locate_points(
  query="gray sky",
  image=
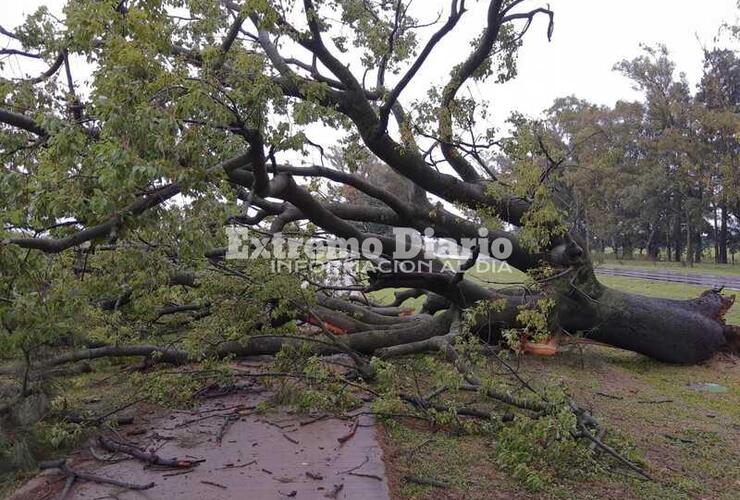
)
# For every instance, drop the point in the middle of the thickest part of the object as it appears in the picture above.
(590, 36)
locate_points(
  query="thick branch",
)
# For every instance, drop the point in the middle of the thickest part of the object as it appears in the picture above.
(50, 245)
(21, 121)
(459, 77)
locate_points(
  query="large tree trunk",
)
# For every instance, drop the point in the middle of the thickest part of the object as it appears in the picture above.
(674, 331)
(653, 246)
(697, 247)
(722, 240)
(677, 242)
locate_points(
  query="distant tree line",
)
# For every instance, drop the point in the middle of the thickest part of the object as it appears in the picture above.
(658, 178)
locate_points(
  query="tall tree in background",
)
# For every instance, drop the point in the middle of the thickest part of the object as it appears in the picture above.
(651, 176)
(719, 96)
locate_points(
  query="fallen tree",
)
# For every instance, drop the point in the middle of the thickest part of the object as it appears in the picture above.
(186, 115)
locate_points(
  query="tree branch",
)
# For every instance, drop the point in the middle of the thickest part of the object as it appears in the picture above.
(21, 121)
(455, 15)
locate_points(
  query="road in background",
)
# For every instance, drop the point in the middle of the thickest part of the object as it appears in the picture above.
(704, 280)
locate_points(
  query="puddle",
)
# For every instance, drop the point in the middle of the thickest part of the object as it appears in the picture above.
(708, 387)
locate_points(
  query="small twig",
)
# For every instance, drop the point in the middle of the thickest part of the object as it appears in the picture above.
(178, 473)
(73, 475)
(196, 420)
(611, 451)
(228, 421)
(294, 441)
(334, 491)
(410, 453)
(436, 393)
(145, 456)
(610, 396)
(582, 418)
(240, 406)
(679, 439)
(367, 459)
(120, 408)
(301, 376)
(313, 420)
(348, 436)
(392, 415)
(109, 460)
(274, 424)
(232, 466)
(360, 474)
(211, 483)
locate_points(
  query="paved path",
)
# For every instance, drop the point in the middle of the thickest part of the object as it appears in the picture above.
(688, 278)
(272, 456)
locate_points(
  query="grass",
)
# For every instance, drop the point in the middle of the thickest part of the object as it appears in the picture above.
(686, 439)
(679, 267)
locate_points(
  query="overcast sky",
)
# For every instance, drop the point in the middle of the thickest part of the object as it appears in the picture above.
(590, 37)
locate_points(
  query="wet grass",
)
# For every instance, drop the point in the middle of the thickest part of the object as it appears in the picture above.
(688, 440)
(679, 267)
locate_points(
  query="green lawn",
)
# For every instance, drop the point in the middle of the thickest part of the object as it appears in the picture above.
(700, 268)
(685, 438)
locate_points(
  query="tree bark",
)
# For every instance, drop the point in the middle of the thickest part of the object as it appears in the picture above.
(673, 331)
(722, 243)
